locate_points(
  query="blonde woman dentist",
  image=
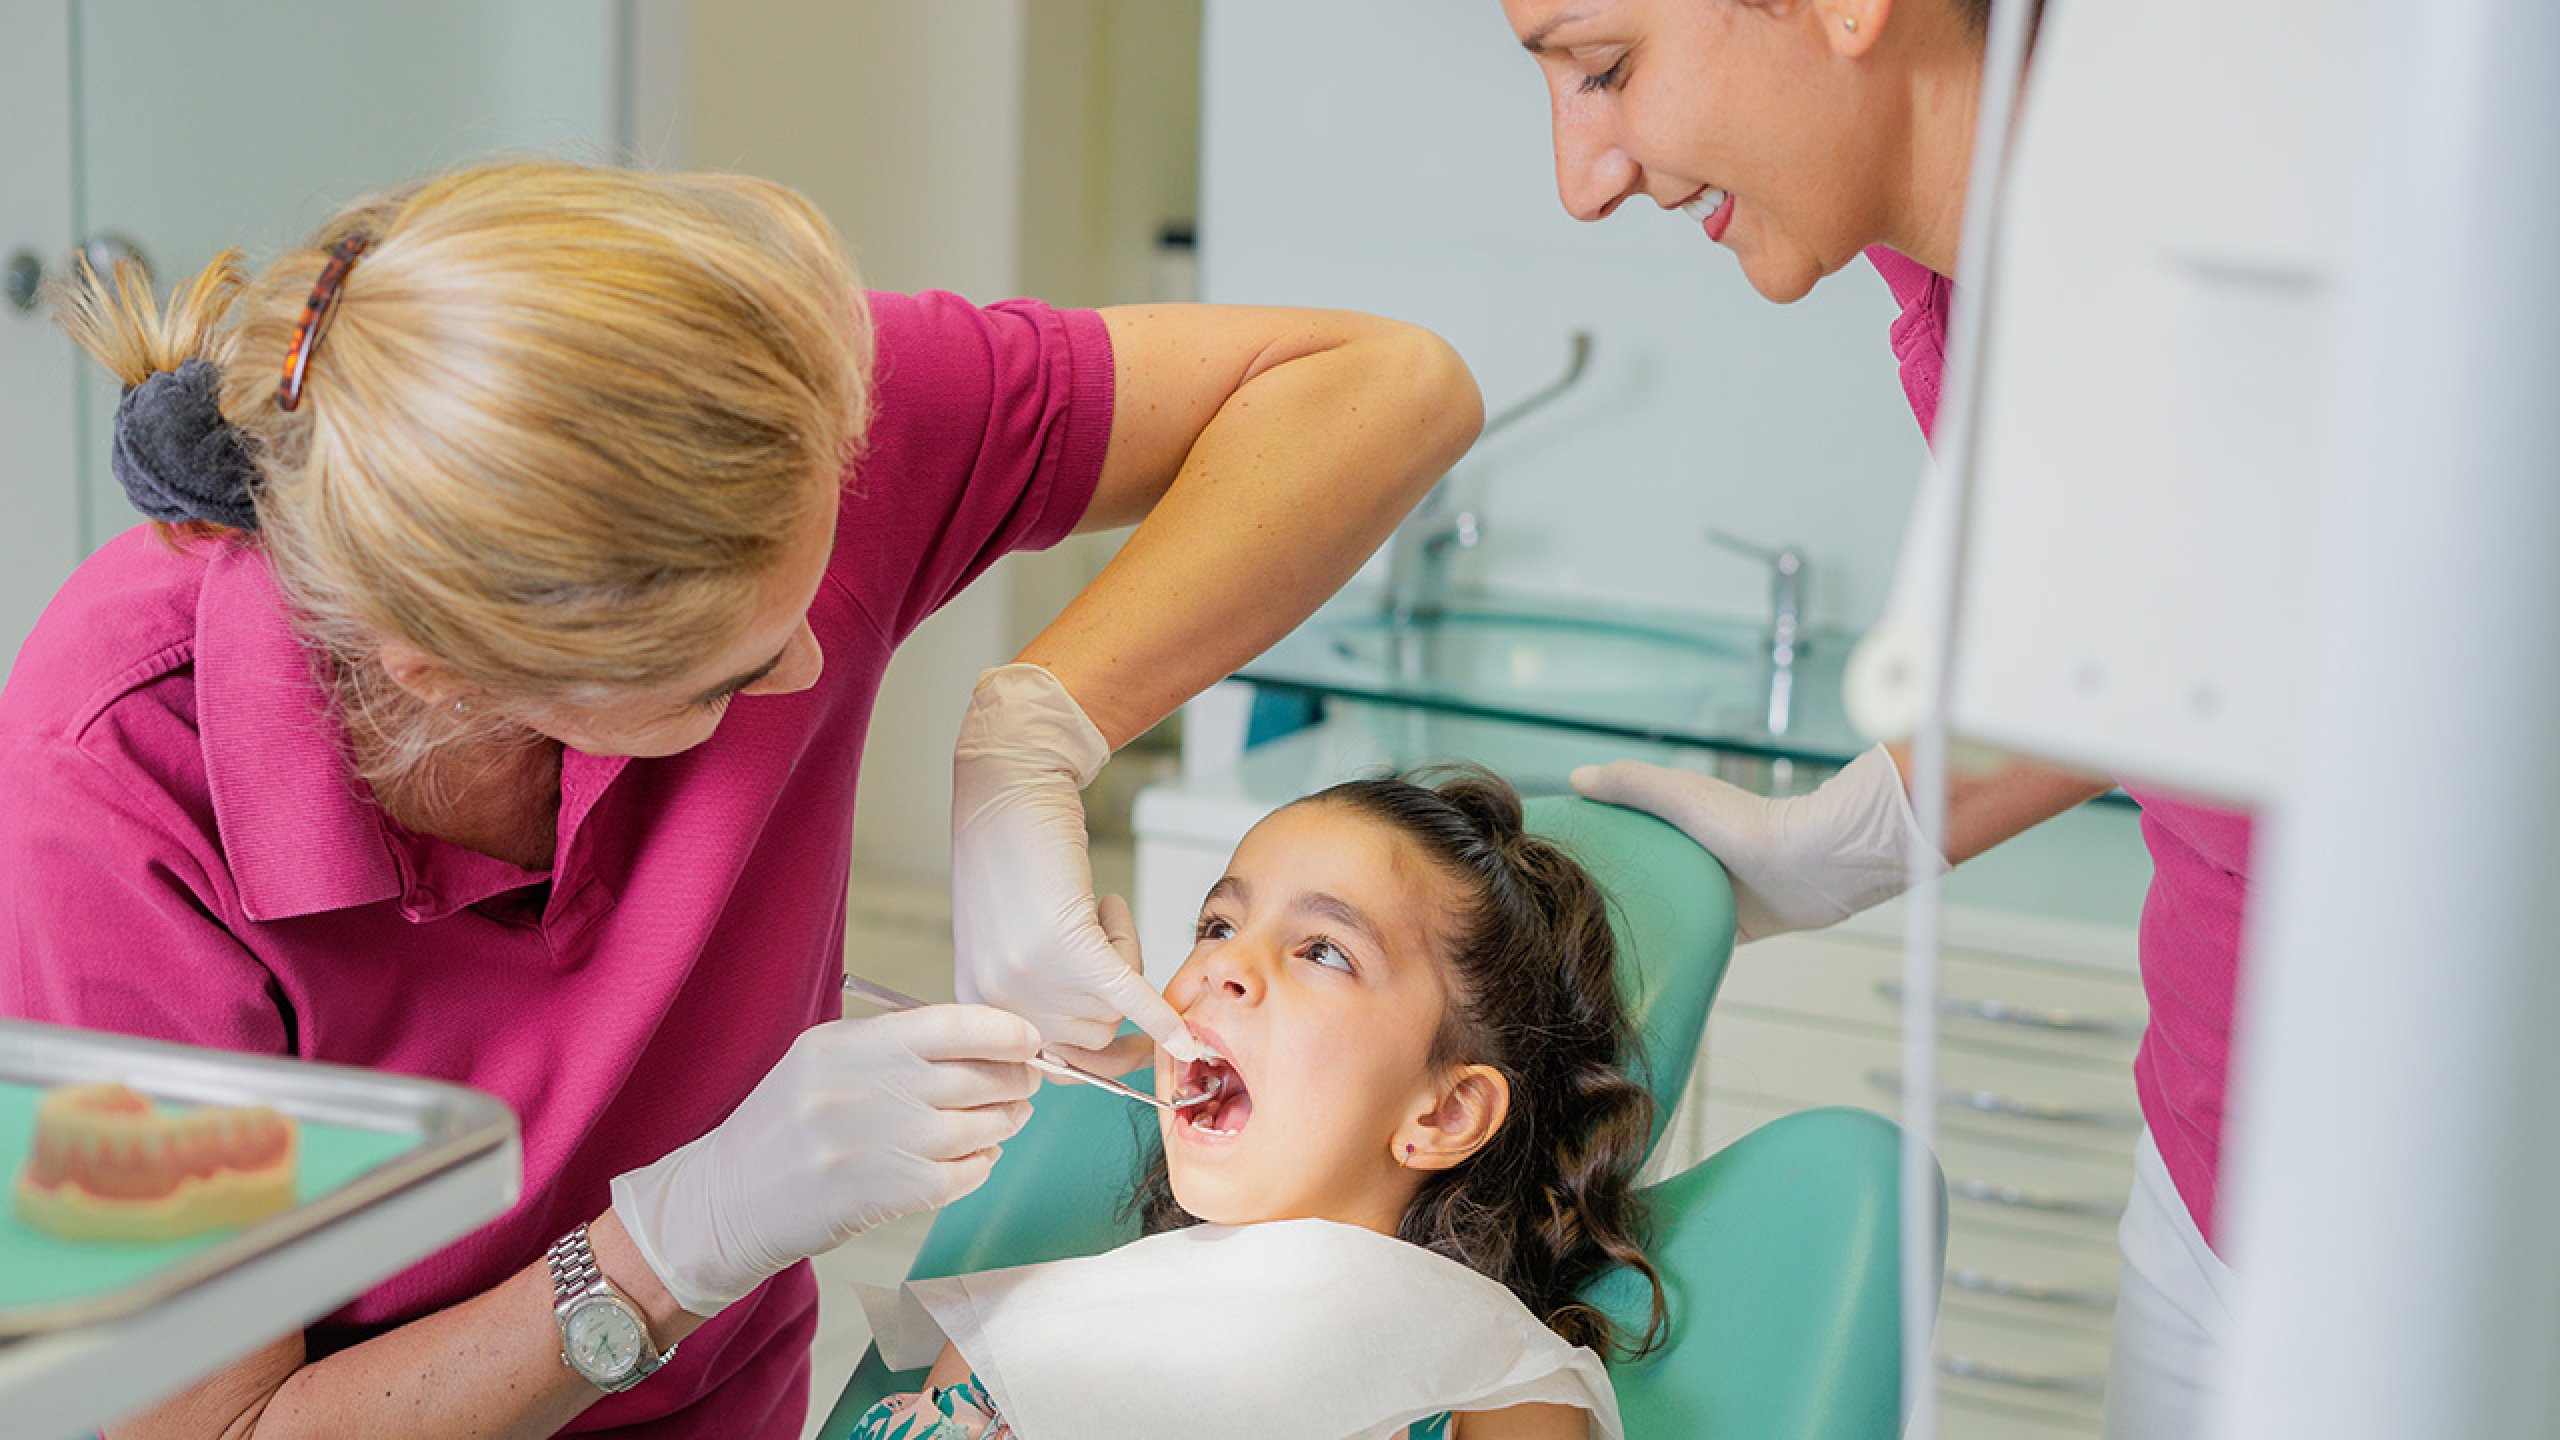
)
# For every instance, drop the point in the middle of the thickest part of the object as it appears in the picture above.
(1801, 136)
(488, 707)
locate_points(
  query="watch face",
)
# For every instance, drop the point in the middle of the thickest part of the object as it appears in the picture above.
(603, 1341)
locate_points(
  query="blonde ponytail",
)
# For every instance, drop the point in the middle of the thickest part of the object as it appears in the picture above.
(119, 320)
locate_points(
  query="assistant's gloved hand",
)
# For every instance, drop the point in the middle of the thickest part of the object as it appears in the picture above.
(861, 1121)
(1023, 916)
(1796, 864)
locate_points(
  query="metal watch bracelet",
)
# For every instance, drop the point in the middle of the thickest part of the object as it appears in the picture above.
(603, 1335)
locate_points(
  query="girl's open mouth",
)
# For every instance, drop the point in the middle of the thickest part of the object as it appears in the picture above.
(1215, 1120)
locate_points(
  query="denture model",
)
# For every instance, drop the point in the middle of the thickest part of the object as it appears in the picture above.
(108, 1165)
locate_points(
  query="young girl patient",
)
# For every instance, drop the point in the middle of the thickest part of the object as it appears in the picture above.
(1421, 1150)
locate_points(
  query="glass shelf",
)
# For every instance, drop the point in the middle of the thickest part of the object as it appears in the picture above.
(1669, 677)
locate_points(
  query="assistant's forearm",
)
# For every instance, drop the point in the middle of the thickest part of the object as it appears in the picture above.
(1985, 809)
(1300, 476)
(486, 1367)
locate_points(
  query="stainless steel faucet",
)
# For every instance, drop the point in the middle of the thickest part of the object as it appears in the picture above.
(1418, 554)
(1787, 636)
(1418, 558)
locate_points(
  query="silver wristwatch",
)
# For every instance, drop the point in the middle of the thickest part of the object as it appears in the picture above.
(603, 1336)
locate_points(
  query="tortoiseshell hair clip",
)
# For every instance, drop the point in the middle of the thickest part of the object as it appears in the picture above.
(315, 316)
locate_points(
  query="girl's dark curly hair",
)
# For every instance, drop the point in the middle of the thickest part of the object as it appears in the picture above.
(1549, 1203)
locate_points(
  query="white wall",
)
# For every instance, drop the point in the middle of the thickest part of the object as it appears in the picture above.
(176, 152)
(184, 129)
(992, 147)
(1394, 157)
(903, 123)
(39, 369)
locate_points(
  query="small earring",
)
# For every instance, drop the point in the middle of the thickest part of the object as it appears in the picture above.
(1408, 1156)
(1849, 23)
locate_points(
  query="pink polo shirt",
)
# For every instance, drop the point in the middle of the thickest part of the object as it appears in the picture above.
(2192, 917)
(184, 853)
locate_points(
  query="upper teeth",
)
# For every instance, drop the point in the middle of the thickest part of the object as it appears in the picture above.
(1703, 204)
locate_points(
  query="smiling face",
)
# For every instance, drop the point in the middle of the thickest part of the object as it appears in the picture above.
(1316, 976)
(1784, 134)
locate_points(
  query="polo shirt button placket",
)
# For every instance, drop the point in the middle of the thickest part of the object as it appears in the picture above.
(578, 900)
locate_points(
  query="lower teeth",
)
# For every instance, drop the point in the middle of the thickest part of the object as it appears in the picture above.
(1202, 1124)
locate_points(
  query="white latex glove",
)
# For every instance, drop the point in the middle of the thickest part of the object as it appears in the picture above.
(861, 1121)
(1023, 916)
(1796, 864)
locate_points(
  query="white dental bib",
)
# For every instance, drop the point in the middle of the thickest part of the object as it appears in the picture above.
(1293, 1330)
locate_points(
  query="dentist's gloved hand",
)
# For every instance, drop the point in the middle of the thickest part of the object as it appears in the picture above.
(1023, 915)
(1796, 864)
(861, 1121)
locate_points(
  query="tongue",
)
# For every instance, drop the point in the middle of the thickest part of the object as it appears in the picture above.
(1233, 1108)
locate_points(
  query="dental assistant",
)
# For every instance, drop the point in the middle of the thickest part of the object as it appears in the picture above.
(1802, 135)
(489, 702)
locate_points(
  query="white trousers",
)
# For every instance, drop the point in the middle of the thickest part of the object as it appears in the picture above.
(2173, 1314)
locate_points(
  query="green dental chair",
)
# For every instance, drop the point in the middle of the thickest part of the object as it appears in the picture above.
(1779, 1254)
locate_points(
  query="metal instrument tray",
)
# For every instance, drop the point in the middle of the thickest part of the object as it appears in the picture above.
(367, 1138)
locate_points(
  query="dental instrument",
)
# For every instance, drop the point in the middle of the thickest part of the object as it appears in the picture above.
(1044, 1062)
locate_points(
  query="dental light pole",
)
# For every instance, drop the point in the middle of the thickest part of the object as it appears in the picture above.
(2255, 492)
(2399, 1136)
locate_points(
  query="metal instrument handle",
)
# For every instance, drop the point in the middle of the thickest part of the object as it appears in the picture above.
(2013, 1197)
(1991, 1102)
(1982, 1282)
(2001, 1012)
(1966, 1368)
(881, 995)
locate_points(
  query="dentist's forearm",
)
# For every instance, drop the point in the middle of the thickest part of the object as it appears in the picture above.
(1304, 469)
(488, 1366)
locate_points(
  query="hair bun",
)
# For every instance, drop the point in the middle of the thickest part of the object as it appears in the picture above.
(1491, 807)
(176, 457)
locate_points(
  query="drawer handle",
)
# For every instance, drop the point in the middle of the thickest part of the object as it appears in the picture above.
(2001, 1012)
(1964, 1368)
(1993, 1103)
(1984, 1283)
(2010, 1195)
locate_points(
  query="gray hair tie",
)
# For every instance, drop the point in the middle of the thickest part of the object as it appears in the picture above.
(175, 455)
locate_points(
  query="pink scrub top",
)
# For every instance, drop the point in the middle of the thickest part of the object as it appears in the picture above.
(184, 853)
(2192, 918)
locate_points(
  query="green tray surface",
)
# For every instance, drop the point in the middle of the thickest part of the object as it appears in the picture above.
(41, 1269)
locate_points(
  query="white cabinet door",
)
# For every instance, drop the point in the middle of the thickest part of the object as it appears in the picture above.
(39, 484)
(187, 128)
